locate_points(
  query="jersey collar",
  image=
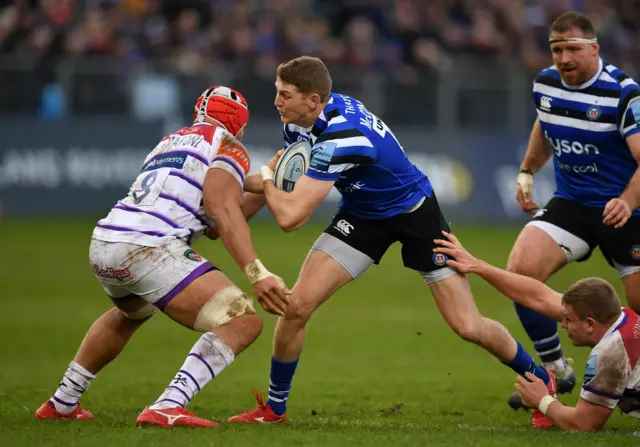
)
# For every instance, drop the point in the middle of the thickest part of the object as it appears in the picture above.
(321, 123)
(622, 319)
(588, 83)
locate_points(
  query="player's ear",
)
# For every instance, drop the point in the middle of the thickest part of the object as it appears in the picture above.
(314, 101)
(591, 324)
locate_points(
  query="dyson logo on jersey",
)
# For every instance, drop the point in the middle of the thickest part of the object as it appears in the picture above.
(568, 147)
(579, 169)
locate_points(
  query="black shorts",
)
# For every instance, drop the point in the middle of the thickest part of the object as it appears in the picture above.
(415, 231)
(619, 245)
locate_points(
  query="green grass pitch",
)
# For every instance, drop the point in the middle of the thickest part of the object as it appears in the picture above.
(380, 367)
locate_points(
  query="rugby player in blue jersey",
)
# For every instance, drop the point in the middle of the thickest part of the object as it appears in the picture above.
(385, 199)
(588, 120)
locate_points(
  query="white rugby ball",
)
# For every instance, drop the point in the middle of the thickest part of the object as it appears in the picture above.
(292, 165)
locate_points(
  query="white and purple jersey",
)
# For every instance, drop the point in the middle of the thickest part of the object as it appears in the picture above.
(612, 375)
(165, 202)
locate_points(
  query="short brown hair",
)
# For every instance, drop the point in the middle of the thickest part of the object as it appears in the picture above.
(570, 20)
(308, 74)
(595, 298)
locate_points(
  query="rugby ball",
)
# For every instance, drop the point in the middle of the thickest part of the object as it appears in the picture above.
(292, 165)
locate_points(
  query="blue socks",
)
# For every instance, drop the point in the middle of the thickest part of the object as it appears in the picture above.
(543, 332)
(280, 384)
(523, 363)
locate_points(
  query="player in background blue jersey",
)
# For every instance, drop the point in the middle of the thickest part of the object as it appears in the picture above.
(385, 199)
(588, 120)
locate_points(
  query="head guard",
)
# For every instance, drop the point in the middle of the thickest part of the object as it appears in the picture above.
(225, 106)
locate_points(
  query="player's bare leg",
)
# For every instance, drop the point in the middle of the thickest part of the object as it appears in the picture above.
(631, 284)
(213, 304)
(104, 341)
(537, 255)
(320, 277)
(455, 302)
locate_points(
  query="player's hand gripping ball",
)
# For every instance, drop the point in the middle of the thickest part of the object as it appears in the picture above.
(292, 165)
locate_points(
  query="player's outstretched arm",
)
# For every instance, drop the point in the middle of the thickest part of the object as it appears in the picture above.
(223, 201)
(585, 417)
(527, 291)
(293, 209)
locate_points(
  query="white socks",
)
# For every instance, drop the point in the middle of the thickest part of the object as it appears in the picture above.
(74, 383)
(208, 357)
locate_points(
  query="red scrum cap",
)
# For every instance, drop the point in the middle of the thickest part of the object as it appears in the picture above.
(223, 105)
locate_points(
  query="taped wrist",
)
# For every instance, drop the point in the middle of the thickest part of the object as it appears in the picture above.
(256, 271)
(266, 173)
(547, 400)
(525, 180)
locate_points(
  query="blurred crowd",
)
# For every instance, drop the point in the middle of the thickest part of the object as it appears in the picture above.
(396, 37)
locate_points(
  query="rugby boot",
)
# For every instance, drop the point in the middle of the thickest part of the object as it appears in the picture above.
(173, 417)
(264, 414)
(48, 411)
(539, 420)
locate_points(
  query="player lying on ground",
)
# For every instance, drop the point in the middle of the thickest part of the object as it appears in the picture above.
(141, 255)
(590, 312)
(385, 199)
(588, 116)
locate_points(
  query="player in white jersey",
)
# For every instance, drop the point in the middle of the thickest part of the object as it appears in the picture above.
(189, 185)
(589, 124)
(590, 312)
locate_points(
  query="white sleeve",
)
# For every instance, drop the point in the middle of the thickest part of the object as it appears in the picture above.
(233, 158)
(607, 373)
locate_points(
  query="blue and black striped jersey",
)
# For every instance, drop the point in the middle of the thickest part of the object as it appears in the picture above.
(357, 150)
(587, 127)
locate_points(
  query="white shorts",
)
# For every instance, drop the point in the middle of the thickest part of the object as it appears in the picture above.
(155, 274)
